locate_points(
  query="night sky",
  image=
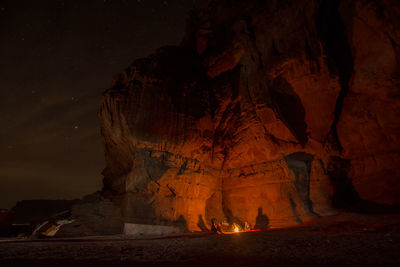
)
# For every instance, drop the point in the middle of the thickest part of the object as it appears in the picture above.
(56, 58)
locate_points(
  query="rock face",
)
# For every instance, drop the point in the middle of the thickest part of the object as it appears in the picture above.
(270, 112)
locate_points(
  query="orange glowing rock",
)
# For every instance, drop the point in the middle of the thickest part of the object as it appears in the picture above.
(248, 128)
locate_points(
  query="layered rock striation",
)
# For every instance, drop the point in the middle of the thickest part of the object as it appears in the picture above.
(270, 112)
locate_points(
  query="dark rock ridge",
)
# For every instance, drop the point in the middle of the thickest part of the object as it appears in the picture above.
(276, 111)
(37, 211)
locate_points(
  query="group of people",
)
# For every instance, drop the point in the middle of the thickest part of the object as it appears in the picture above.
(225, 226)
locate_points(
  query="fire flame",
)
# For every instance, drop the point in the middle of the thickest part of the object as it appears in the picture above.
(226, 228)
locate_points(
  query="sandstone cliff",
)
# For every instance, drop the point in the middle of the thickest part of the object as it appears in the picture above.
(270, 112)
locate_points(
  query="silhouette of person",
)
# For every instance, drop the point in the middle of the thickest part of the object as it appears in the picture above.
(262, 221)
(201, 224)
(215, 227)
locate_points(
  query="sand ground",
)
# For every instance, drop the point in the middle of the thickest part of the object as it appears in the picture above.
(342, 240)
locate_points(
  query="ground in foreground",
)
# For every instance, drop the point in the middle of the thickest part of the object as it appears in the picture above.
(343, 240)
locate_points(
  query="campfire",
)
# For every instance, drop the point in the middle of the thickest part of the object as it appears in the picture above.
(231, 228)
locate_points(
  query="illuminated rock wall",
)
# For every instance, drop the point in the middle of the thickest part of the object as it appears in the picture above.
(268, 113)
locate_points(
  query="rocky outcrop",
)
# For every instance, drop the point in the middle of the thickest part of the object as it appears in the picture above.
(34, 211)
(367, 128)
(268, 112)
